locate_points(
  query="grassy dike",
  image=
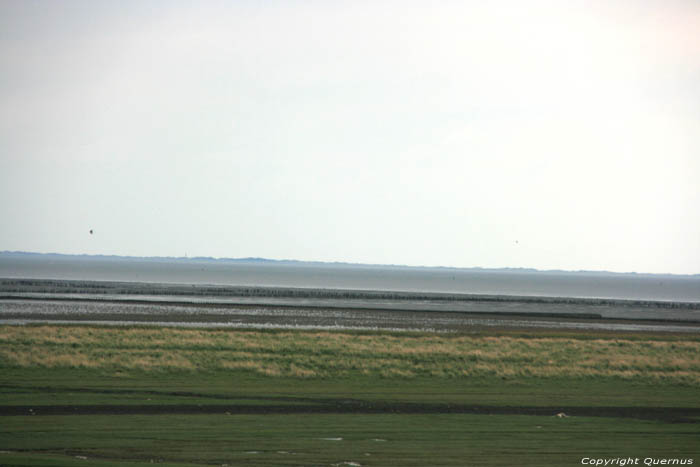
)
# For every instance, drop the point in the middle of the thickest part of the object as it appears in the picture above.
(71, 395)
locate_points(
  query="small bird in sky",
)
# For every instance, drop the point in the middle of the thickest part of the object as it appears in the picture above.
(90, 231)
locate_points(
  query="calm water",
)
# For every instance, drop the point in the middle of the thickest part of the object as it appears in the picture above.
(201, 272)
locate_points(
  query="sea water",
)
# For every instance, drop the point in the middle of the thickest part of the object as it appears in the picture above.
(654, 287)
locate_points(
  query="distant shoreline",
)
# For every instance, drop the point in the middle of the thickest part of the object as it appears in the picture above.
(296, 262)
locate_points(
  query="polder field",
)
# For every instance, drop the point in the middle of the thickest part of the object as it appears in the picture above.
(89, 395)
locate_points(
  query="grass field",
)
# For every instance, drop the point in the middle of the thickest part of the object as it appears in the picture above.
(79, 395)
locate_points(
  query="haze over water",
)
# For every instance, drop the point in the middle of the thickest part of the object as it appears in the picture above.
(359, 277)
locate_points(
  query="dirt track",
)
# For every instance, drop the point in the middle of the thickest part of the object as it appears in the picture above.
(345, 406)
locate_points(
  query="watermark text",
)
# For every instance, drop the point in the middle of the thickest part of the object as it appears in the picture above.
(623, 461)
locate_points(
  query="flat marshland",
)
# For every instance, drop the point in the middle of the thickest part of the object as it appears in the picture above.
(131, 395)
(324, 354)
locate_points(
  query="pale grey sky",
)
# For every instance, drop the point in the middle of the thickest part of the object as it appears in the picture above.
(541, 134)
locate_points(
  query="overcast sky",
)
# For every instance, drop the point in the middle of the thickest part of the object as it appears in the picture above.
(541, 134)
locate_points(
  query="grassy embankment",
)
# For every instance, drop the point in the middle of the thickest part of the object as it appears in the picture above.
(271, 397)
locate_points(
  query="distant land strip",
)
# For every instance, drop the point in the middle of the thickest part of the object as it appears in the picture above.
(299, 262)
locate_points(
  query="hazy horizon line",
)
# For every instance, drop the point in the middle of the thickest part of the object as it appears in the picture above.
(340, 263)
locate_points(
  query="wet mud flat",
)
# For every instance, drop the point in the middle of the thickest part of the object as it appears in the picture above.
(179, 314)
(115, 303)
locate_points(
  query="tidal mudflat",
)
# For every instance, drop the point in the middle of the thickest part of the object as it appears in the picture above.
(34, 301)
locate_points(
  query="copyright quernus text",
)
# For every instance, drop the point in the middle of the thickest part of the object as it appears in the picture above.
(622, 461)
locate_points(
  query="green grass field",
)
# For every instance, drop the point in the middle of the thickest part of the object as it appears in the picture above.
(79, 395)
